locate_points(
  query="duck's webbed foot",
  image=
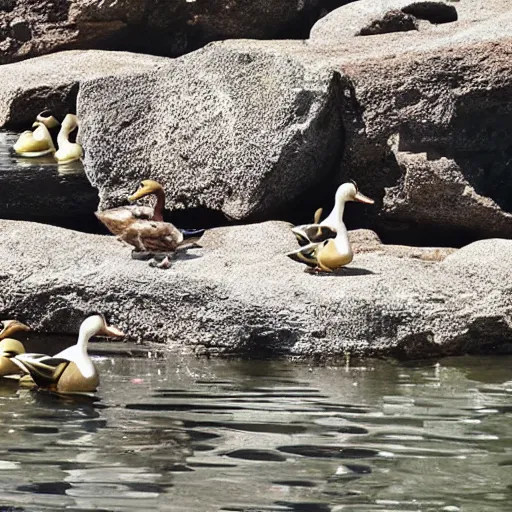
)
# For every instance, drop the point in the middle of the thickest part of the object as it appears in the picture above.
(161, 261)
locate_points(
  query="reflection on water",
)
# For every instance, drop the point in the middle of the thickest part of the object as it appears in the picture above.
(185, 434)
(38, 189)
(10, 161)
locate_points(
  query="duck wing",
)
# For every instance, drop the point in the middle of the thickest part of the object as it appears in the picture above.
(45, 370)
(313, 233)
(153, 236)
(117, 220)
(306, 254)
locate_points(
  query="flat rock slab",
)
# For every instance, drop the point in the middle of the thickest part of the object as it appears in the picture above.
(52, 81)
(241, 295)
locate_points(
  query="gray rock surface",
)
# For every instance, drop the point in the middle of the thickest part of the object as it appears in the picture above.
(170, 27)
(52, 81)
(434, 24)
(240, 294)
(241, 132)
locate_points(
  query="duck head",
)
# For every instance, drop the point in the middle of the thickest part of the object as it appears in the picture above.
(10, 348)
(146, 188)
(69, 123)
(9, 327)
(350, 192)
(96, 325)
(45, 117)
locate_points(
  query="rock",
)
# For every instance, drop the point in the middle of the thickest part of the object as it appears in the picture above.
(237, 131)
(367, 17)
(168, 28)
(20, 30)
(425, 114)
(52, 81)
(366, 240)
(241, 295)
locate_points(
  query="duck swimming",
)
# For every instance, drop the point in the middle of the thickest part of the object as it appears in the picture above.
(68, 151)
(10, 347)
(333, 253)
(320, 231)
(32, 144)
(144, 228)
(72, 370)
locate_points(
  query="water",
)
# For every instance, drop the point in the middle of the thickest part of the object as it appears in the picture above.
(177, 433)
(39, 189)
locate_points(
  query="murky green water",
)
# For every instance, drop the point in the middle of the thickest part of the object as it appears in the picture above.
(185, 434)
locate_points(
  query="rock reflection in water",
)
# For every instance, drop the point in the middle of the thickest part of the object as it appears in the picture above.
(183, 434)
(39, 189)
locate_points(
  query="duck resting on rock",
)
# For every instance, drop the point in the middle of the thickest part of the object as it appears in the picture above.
(144, 229)
(33, 144)
(333, 253)
(320, 231)
(68, 151)
(72, 370)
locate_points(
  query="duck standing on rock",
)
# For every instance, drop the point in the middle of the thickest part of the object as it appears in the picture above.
(72, 370)
(33, 144)
(331, 253)
(68, 151)
(144, 228)
(320, 231)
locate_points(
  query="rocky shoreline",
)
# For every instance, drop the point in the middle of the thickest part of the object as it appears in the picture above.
(412, 100)
(240, 295)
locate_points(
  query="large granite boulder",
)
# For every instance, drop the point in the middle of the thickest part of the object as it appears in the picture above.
(240, 294)
(171, 27)
(52, 81)
(426, 112)
(237, 131)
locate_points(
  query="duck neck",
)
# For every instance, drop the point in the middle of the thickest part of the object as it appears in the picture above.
(158, 212)
(341, 239)
(63, 136)
(83, 340)
(336, 215)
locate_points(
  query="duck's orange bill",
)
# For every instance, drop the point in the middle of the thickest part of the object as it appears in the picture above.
(363, 199)
(110, 330)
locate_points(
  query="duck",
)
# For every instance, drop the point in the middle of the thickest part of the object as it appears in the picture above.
(9, 347)
(144, 229)
(116, 220)
(320, 231)
(68, 151)
(10, 327)
(332, 253)
(36, 143)
(71, 370)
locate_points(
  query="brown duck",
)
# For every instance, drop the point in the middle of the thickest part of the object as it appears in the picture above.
(143, 228)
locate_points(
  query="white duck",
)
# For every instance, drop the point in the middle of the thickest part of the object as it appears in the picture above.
(333, 253)
(32, 144)
(68, 151)
(320, 231)
(72, 370)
